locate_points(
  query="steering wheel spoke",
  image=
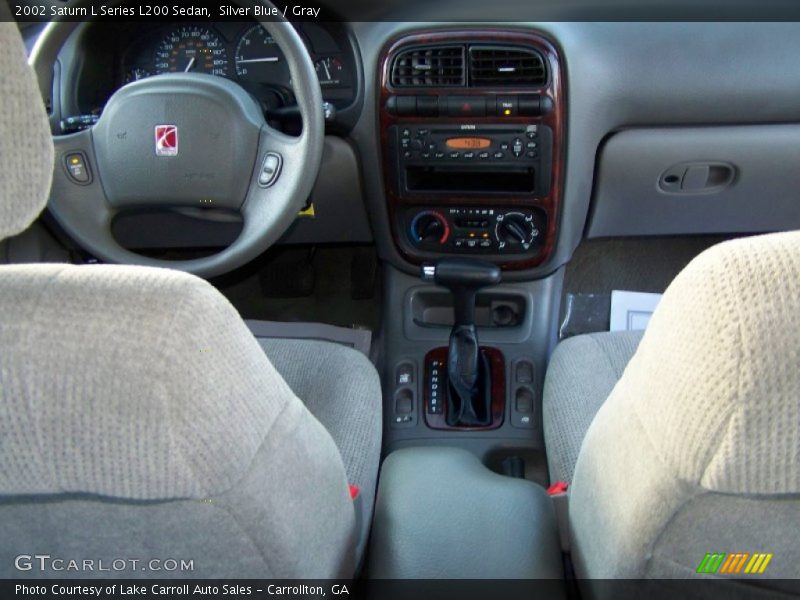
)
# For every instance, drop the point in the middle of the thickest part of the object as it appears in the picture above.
(288, 149)
(278, 171)
(77, 199)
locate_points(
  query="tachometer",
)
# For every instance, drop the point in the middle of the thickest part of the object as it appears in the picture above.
(259, 59)
(192, 49)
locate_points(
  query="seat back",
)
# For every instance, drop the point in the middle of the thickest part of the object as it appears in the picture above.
(697, 449)
(138, 415)
(26, 148)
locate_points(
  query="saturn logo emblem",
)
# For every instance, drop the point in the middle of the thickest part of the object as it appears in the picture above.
(166, 140)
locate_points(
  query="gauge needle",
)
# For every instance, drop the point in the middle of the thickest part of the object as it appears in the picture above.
(255, 60)
(327, 71)
(189, 66)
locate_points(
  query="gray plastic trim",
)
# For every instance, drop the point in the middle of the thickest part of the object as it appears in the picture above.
(760, 191)
(441, 514)
(338, 198)
(488, 335)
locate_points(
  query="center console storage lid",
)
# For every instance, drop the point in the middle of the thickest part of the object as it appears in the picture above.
(441, 514)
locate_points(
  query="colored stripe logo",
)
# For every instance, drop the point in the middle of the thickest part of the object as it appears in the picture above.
(738, 563)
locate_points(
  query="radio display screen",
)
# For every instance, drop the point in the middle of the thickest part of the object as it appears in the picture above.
(468, 143)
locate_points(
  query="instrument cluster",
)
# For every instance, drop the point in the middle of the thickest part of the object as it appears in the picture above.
(243, 52)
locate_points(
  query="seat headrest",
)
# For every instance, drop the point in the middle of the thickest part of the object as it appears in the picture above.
(26, 147)
(716, 379)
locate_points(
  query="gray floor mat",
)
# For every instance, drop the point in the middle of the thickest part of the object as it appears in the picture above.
(636, 264)
(330, 301)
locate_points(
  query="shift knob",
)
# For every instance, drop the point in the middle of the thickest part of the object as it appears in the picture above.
(468, 272)
(463, 277)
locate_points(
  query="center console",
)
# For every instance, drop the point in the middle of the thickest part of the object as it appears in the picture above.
(472, 126)
(472, 136)
(472, 132)
(441, 514)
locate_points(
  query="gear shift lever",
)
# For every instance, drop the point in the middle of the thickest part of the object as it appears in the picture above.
(468, 369)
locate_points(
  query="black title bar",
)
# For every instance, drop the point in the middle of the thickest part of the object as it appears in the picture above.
(459, 11)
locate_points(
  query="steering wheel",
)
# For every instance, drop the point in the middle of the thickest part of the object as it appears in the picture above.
(186, 140)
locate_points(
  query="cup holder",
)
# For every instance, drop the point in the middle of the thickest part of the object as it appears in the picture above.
(492, 310)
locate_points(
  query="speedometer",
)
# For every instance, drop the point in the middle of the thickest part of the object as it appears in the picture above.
(192, 49)
(259, 59)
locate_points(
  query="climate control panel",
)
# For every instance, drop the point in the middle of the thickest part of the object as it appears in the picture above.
(476, 230)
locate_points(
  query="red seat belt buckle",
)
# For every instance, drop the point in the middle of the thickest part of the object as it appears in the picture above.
(559, 487)
(354, 491)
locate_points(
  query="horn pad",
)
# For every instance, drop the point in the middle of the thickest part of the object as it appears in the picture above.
(207, 161)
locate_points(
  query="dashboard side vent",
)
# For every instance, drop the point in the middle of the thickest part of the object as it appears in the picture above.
(506, 65)
(429, 66)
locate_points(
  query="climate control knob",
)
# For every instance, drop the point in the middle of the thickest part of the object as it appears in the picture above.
(515, 231)
(430, 227)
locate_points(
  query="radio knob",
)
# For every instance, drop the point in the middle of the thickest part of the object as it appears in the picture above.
(430, 227)
(515, 231)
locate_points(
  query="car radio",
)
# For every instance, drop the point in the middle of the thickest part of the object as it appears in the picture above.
(468, 159)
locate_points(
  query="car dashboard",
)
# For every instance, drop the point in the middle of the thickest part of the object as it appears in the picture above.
(392, 173)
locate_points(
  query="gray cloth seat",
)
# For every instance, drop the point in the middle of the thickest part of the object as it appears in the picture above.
(582, 372)
(141, 421)
(341, 394)
(696, 449)
(137, 411)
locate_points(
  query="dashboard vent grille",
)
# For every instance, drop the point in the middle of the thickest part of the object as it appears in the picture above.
(506, 65)
(432, 66)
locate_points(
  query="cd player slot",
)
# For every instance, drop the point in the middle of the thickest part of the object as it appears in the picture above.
(470, 179)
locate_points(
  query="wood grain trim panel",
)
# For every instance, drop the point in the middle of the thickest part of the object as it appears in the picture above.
(555, 119)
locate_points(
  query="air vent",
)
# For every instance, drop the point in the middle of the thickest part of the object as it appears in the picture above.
(505, 66)
(431, 66)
